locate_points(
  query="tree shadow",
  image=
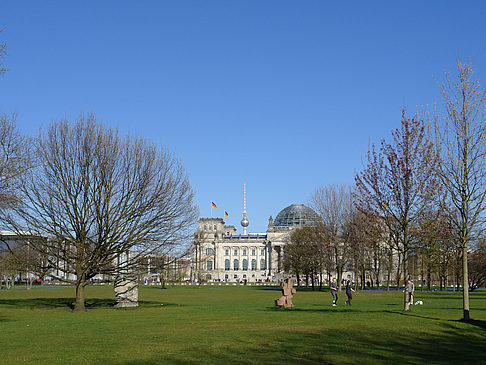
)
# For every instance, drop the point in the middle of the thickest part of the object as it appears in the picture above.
(476, 322)
(4, 319)
(320, 309)
(311, 346)
(91, 303)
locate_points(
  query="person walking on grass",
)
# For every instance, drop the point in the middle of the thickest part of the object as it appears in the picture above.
(334, 292)
(411, 290)
(349, 289)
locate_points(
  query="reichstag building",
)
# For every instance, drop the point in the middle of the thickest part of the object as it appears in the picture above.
(221, 255)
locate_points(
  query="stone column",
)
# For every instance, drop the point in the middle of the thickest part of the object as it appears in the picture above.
(268, 262)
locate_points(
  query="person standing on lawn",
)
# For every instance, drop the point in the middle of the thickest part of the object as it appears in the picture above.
(411, 290)
(349, 289)
(334, 292)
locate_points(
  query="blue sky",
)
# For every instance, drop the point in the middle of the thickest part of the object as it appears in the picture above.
(285, 95)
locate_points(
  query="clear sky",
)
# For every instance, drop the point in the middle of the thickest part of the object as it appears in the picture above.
(285, 95)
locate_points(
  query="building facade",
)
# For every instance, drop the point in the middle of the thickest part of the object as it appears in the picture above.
(221, 255)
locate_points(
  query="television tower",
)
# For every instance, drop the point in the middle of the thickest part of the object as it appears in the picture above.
(244, 221)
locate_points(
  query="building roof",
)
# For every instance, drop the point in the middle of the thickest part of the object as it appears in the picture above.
(296, 215)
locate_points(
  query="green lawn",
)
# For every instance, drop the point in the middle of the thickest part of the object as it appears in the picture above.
(228, 324)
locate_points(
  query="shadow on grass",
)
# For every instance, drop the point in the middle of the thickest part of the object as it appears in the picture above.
(477, 323)
(321, 309)
(94, 303)
(346, 345)
(4, 319)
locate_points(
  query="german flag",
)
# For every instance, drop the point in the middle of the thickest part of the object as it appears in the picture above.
(225, 214)
(384, 204)
(213, 205)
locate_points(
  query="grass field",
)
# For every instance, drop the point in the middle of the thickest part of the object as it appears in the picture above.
(239, 325)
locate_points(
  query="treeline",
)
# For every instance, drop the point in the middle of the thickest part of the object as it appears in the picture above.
(416, 206)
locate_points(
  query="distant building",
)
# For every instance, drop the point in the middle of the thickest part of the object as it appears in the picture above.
(222, 255)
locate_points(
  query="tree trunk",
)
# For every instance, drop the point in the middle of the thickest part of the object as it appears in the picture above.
(406, 298)
(340, 277)
(422, 274)
(465, 284)
(398, 277)
(389, 270)
(79, 306)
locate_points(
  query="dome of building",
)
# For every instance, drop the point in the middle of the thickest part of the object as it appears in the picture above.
(296, 215)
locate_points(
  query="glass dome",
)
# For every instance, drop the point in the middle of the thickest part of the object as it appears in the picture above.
(296, 215)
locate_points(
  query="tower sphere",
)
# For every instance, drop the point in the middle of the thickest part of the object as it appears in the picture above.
(245, 222)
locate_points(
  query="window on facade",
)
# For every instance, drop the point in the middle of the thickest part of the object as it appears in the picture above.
(235, 253)
(253, 264)
(209, 265)
(210, 228)
(215, 227)
(226, 252)
(244, 252)
(235, 265)
(263, 252)
(253, 252)
(262, 264)
(226, 264)
(245, 264)
(209, 251)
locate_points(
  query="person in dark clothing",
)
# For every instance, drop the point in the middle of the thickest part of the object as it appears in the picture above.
(348, 292)
(334, 292)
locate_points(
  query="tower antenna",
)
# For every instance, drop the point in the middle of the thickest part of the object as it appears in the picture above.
(244, 221)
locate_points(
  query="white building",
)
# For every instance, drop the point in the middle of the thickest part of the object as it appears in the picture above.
(222, 255)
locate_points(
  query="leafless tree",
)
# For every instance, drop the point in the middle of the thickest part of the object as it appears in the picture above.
(334, 204)
(398, 182)
(98, 196)
(460, 132)
(14, 158)
(477, 265)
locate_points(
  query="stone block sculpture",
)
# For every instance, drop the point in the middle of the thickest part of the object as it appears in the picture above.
(126, 291)
(288, 291)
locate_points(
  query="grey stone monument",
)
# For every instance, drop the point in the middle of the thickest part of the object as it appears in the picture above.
(126, 291)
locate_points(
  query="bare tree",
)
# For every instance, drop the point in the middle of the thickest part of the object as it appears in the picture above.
(98, 197)
(14, 158)
(434, 241)
(460, 132)
(477, 265)
(334, 204)
(398, 182)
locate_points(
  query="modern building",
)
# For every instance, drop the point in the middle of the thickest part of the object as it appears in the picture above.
(221, 255)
